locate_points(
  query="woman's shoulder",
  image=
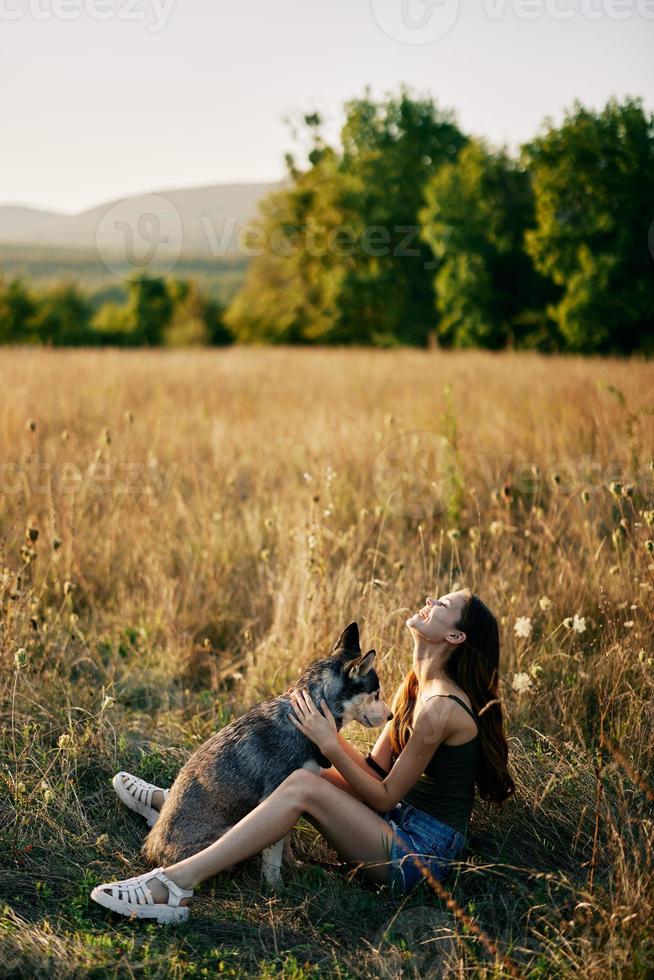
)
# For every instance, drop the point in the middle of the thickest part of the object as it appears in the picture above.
(451, 692)
(461, 727)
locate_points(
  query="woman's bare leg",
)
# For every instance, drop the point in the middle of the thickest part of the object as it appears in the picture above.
(353, 829)
(331, 775)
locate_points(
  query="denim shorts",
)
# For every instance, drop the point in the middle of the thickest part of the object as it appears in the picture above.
(434, 843)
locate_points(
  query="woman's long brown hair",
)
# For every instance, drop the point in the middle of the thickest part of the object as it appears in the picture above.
(474, 666)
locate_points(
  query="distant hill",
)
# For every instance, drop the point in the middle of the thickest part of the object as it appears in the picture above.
(44, 266)
(200, 221)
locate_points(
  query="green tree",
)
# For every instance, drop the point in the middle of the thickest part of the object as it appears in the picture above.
(113, 323)
(196, 320)
(341, 258)
(488, 293)
(593, 181)
(151, 309)
(17, 311)
(63, 317)
(290, 294)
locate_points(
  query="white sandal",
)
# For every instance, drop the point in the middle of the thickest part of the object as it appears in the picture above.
(137, 795)
(133, 898)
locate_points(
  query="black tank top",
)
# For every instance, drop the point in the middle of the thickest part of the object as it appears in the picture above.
(446, 789)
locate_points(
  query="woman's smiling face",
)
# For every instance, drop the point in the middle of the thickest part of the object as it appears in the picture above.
(438, 617)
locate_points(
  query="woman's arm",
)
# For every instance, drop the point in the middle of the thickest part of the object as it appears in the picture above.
(381, 753)
(333, 776)
(430, 730)
(432, 726)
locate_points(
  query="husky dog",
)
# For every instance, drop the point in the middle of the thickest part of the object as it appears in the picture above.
(234, 770)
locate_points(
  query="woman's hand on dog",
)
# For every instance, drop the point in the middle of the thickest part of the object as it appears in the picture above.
(317, 724)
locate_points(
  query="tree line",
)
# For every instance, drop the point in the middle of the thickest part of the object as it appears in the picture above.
(157, 312)
(410, 231)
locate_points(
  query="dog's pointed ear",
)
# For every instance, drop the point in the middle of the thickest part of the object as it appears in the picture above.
(361, 665)
(348, 641)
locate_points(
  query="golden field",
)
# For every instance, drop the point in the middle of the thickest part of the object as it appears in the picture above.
(181, 532)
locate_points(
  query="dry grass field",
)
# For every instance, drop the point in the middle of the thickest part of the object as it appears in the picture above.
(181, 532)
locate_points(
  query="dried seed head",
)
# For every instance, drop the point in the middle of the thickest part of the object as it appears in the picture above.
(21, 658)
(31, 529)
(617, 537)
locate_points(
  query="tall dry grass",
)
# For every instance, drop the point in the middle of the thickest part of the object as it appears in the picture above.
(182, 532)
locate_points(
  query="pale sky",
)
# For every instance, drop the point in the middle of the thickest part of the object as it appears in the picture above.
(178, 93)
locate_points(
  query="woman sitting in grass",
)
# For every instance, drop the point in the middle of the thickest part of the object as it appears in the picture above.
(401, 812)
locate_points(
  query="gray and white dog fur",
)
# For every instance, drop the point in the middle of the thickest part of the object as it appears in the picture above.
(239, 766)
